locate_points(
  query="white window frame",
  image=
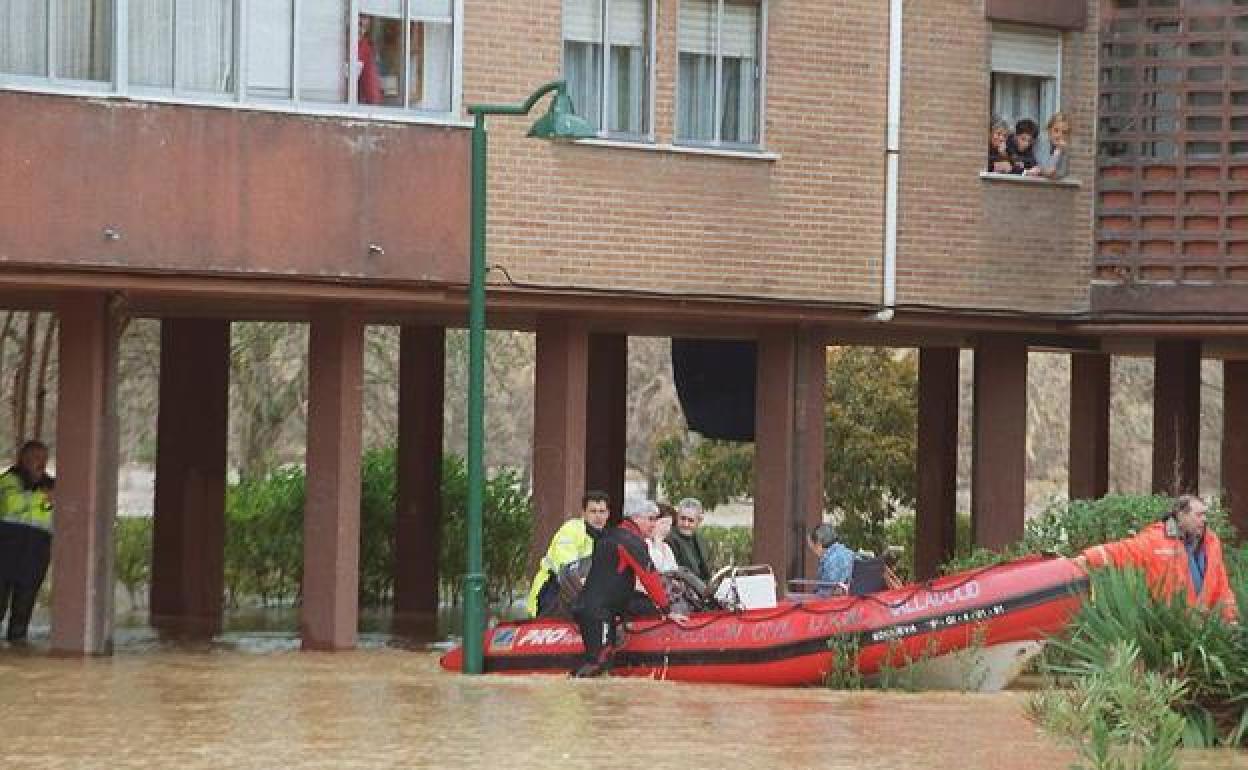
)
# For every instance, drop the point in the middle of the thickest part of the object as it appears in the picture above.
(652, 12)
(120, 86)
(717, 140)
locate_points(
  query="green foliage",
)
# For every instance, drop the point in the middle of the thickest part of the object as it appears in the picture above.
(508, 524)
(1178, 643)
(264, 535)
(727, 545)
(870, 429)
(1068, 526)
(844, 674)
(1119, 714)
(132, 538)
(713, 471)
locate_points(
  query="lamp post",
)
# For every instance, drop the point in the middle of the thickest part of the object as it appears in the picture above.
(559, 122)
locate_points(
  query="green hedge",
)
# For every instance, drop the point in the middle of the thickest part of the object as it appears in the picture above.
(264, 535)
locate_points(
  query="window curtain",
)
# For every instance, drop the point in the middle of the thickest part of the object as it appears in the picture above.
(628, 26)
(740, 49)
(1015, 97)
(24, 37)
(205, 49)
(269, 44)
(151, 43)
(84, 45)
(695, 106)
(437, 62)
(323, 62)
(582, 57)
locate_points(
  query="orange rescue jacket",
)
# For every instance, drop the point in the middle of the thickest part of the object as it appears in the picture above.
(1159, 551)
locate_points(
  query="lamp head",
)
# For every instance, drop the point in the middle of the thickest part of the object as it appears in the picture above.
(561, 121)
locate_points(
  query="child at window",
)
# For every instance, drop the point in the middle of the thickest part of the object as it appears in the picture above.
(1054, 164)
(1022, 146)
(998, 156)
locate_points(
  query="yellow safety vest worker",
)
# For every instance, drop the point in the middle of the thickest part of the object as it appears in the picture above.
(571, 543)
(20, 505)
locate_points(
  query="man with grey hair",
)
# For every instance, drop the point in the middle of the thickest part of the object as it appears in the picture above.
(686, 543)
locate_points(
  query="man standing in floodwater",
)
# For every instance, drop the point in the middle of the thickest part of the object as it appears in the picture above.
(1177, 553)
(26, 492)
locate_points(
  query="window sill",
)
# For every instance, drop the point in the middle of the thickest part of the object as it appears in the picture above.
(681, 149)
(989, 176)
(105, 92)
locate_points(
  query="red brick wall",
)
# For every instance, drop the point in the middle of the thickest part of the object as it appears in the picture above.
(810, 224)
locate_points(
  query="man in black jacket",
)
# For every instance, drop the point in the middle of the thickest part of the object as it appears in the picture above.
(686, 543)
(620, 560)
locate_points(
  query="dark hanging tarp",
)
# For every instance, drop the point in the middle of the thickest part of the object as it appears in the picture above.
(715, 383)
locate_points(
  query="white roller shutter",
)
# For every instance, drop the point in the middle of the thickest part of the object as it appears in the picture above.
(431, 9)
(582, 21)
(1026, 50)
(740, 30)
(697, 26)
(392, 9)
(627, 22)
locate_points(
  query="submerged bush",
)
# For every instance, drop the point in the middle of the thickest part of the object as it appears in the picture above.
(1181, 644)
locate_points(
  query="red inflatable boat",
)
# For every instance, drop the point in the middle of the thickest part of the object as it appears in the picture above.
(1002, 614)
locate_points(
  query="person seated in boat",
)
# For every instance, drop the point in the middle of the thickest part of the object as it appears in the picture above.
(1177, 553)
(660, 551)
(686, 543)
(574, 540)
(836, 560)
(620, 560)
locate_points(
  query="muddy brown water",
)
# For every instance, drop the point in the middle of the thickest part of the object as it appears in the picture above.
(255, 701)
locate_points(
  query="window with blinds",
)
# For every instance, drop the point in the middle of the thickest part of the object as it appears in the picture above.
(611, 90)
(719, 74)
(1026, 67)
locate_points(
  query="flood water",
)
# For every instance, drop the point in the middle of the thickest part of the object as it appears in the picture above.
(254, 701)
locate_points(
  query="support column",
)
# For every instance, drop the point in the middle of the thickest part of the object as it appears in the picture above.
(935, 537)
(999, 443)
(788, 449)
(1176, 417)
(418, 513)
(86, 464)
(188, 534)
(1089, 425)
(606, 415)
(560, 397)
(331, 525)
(1235, 443)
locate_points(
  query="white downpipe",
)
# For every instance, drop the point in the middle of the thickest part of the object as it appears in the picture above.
(892, 151)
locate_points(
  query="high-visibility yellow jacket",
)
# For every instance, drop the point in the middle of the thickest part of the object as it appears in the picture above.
(570, 543)
(22, 504)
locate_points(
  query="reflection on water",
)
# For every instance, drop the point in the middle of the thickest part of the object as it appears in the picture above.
(250, 700)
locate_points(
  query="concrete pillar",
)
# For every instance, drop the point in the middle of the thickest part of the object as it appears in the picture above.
(1235, 443)
(560, 398)
(606, 415)
(788, 449)
(418, 514)
(1176, 417)
(935, 539)
(331, 525)
(188, 535)
(999, 443)
(1089, 425)
(86, 465)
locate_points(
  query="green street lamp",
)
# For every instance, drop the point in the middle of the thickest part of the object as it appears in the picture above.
(559, 122)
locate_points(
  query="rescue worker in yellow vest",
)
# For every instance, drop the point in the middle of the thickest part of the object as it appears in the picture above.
(26, 496)
(573, 541)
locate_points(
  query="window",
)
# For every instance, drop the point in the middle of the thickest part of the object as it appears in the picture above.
(81, 32)
(720, 72)
(622, 28)
(1026, 68)
(405, 53)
